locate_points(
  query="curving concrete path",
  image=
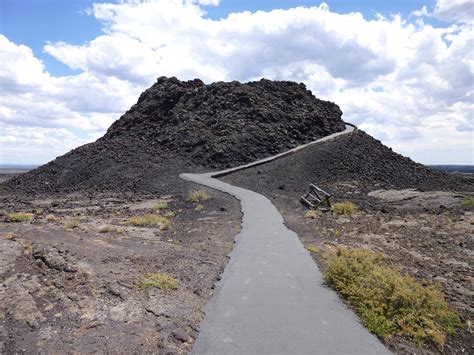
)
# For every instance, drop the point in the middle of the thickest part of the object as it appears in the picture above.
(271, 298)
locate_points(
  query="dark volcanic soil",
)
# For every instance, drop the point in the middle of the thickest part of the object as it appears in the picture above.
(179, 126)
(343, 166)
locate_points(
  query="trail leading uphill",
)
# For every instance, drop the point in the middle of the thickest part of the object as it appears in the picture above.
(272, 298)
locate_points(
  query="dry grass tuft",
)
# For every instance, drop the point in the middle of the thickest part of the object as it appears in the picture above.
(72, 223)
(198, 196)
(468, 202)
(106, 229)
(345, 207)
(10, 236)
(199, 208)
(150, 220)
(164, 282)
(312, 248)
(51, 218)
(27, 247)
(169, 214)
(19, 216)
(311, 214)
(160, 205)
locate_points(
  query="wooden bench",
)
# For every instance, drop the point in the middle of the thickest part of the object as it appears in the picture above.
(315, 197)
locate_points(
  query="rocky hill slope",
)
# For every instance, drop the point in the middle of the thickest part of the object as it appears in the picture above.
(351, 163)
(181, 126)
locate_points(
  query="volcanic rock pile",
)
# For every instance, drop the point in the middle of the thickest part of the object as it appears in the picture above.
(186, 126)
(355, 160)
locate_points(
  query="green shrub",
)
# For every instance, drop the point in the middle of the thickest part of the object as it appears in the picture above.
(345, 207)
(150, 220)
(468, 202)
(389, 303)
(162, 281)
(198, 196)
(20, 216)
(160, 205)
(199, 207)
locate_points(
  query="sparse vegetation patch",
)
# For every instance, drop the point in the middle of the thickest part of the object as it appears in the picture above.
(51, 218)
(160, 205)
(311, 214)
(468, 202)
(106, 229)
(389, 303)
(27, 247)
(345, 207)
(19, 216)
(169, 214)
(199, 207)
(312, 248)
(164, 282)
(150, 220)
(72, 223)
(198, 196)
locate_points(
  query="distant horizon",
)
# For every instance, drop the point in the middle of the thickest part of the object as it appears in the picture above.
(33, 166)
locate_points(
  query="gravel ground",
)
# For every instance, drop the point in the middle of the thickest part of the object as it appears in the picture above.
(76, 290)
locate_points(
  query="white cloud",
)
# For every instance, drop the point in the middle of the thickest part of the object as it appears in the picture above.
(407, 83)
(20, 71)
(422, 12)
(30, 145)
(455, 10)
(208, 2)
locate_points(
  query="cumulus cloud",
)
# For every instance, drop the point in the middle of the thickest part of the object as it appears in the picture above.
(20, 71)
(455, 10)
(422, 12)
(31, 145)
(408, 83)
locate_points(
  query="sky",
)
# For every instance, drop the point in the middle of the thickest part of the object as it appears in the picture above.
(403, 71)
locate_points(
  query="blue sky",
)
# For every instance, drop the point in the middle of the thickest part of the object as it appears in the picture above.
(400, 70)
(34, 22)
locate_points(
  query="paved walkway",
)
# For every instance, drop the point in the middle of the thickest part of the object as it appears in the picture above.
(271, 298)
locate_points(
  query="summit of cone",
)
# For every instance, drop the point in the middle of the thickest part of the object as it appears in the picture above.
(226, 123)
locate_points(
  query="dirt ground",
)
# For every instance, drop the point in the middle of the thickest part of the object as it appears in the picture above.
(76, 290)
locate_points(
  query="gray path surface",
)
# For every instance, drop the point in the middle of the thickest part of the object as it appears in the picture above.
(271, 298)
